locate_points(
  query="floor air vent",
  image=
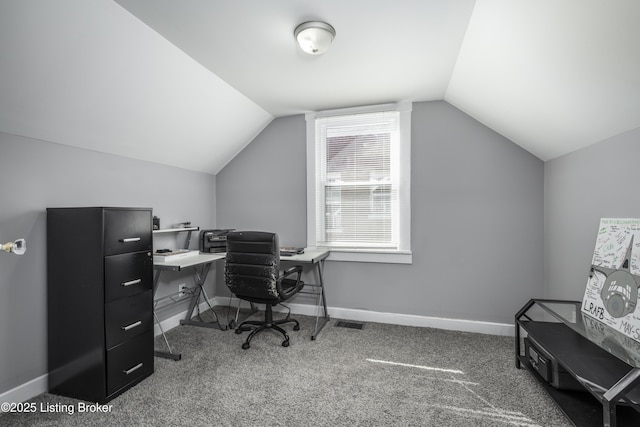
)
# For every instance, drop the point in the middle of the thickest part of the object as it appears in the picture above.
(350, 325)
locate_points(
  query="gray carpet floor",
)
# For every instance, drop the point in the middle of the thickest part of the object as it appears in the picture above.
(382, 375)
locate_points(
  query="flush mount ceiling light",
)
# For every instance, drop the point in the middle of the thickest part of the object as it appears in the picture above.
(314, 37)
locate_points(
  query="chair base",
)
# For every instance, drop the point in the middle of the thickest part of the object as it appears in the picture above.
(268, 323)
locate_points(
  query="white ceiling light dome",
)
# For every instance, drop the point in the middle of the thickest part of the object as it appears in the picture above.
(314, 37)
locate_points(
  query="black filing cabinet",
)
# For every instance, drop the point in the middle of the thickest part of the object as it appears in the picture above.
(100, 302)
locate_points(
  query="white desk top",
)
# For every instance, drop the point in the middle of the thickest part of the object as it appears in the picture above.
(310, 255)
(189, 261)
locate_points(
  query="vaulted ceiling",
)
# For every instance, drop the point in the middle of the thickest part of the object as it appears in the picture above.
(190, 83)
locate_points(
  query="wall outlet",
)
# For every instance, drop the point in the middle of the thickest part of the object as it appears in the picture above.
(181, 288)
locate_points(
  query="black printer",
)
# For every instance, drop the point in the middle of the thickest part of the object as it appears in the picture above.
(212, 241)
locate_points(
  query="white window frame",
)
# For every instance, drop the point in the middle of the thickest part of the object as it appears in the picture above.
(402, 254)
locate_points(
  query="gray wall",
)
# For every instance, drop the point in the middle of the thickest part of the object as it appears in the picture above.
(600, 181)
(37, 175)
(477, 218)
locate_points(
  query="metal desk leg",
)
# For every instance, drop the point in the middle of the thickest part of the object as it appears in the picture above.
(167, 355)
(158, 353)
(235, 321)
(199, 280)
(611, 396)
(321, 300)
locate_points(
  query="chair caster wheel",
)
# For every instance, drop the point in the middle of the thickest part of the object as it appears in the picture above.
(296, 328)
(245, 345)
(285, 343)
(238, 331)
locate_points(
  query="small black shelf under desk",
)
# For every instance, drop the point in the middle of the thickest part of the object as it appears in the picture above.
(590, 370)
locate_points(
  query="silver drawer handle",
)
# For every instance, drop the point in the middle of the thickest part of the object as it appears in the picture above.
(130, 239)
(131, 326)
(135, 368)
(131, 282)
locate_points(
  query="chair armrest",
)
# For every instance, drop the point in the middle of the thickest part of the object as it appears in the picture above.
(291, 270)
(290, 291)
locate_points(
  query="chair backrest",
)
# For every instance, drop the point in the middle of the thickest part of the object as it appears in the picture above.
(252, 265)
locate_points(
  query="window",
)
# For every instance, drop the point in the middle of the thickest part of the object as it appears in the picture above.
(358, 177)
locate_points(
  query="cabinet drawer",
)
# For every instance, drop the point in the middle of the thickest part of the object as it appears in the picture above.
(128, 317)
(127, 231)
(129, 362)
(127, 274)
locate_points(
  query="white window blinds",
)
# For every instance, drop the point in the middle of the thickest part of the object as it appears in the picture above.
(357, 180)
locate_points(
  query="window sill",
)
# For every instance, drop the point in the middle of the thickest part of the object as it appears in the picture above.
(379, 256)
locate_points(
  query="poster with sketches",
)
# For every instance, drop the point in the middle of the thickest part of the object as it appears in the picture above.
(611, 295)
(624, 347)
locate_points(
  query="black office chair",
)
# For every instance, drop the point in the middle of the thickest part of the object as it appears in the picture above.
(252, 273)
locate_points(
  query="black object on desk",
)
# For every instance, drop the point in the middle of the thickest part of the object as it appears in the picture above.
(214, 241)
(290, 251)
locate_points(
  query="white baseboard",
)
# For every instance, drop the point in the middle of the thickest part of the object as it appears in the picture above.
(40, 385)
(27, 390)
(488, 328)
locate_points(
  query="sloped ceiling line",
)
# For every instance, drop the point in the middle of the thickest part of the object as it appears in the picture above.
(160, 80)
